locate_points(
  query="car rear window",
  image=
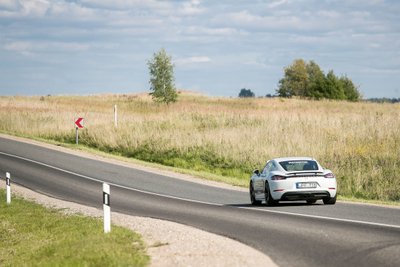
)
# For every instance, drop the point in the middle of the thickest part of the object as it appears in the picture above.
(299, 165)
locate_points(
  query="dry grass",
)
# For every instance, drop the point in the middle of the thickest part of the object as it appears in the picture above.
(360, 142)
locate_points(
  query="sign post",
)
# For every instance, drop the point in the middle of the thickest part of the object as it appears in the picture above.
(115, 116)
(8, 184)
(78, 125)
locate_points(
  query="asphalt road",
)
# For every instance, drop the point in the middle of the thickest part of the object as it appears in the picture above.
(292, 234)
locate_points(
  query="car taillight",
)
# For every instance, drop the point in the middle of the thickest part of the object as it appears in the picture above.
(329, 175)
(278, 177)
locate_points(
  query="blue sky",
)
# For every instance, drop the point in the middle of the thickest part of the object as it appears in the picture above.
(218, 47)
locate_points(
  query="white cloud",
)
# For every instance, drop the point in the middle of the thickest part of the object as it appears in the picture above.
(139, 6)
(24, 8)
(246, 19)
(364, 2)
(127, 20)
(30, 48)
(328, 14)
(374, 45)
(73, 11)
(200, 30)
(277, 3)
(35, 8)
(53, 9)
(307, 20)
(311, 40)
(192, 60)
(18, 46)
(124, 4)
(23, 48)
(191, 8)
(9, 4)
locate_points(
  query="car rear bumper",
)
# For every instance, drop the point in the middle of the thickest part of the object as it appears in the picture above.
(304, 195)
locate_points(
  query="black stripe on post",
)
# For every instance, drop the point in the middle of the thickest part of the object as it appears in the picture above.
(8, 181)
(106, 199)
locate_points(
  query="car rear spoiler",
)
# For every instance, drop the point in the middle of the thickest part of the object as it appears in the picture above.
(306, 173)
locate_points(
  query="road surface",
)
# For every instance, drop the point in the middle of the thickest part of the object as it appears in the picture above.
(292, 234)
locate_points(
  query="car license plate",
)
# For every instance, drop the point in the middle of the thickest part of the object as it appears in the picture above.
(306, 185)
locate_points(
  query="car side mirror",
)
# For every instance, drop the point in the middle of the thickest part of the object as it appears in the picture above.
(257, 172)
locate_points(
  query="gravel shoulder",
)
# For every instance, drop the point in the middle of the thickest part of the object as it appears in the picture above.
(168, 243)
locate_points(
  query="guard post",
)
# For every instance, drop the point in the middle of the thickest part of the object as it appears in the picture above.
(106, 208)
(8, 185)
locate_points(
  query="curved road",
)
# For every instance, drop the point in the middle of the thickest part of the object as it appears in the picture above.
(292, 234)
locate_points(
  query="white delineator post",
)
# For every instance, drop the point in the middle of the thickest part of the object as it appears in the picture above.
(106, 208)
(115, 116)
(8, 184)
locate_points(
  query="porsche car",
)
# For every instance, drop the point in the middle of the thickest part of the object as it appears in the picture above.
(292, 179)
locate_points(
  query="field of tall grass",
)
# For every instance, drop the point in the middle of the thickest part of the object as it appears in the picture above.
(359, 142)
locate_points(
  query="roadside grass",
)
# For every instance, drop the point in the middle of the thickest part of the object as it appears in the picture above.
(225, 139)
(369, 201)
(31, 235)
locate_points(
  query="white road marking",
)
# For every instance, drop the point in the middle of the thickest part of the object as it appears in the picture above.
(198, 201)
(323, 217)
(108, 182)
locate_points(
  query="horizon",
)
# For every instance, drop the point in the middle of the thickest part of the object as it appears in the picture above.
(199, 93)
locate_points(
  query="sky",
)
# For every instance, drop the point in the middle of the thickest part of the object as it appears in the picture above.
(81, 47)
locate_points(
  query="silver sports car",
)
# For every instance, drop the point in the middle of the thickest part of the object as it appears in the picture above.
(289, 179)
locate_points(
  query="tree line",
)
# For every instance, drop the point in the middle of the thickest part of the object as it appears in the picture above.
(384, 100)
(301, 79)
(307, 80)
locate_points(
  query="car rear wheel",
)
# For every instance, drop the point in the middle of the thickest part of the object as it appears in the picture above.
(329, 200)
(269, 201)
(253, 200)
(311, 201)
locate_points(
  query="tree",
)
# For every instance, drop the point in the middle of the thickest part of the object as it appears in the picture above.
(350, 90)
(316, 81)
(162, 78)
(294, 82)
(308, 80)
(246, 93)
(334, 88)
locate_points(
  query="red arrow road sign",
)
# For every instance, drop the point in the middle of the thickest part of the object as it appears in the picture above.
(79, 123)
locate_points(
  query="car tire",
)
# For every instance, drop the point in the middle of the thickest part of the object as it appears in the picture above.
(269, 201)
(253, 200)
(311, 201)
(329, 200)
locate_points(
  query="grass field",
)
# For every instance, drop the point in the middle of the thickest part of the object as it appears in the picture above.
(31, 235)
(227, 137)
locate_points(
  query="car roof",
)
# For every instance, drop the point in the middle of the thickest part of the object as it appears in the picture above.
(293, 159)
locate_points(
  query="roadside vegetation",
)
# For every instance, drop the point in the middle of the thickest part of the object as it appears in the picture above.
(358, 141)
(31, 235)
